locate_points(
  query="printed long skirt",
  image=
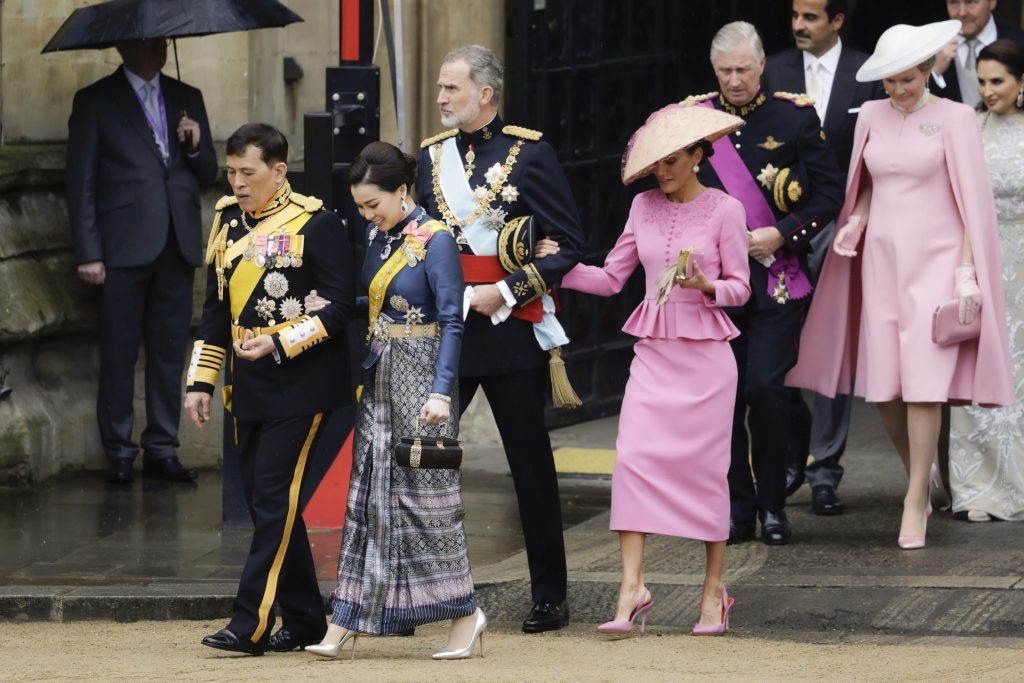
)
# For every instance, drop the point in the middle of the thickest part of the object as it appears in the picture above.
(403, 559)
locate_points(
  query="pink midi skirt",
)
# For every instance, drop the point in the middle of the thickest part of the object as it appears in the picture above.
(675, 434)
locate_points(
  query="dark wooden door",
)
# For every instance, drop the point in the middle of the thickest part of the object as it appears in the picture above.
(588, 73)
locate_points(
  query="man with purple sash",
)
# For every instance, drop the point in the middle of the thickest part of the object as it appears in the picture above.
(782, 171)
(139, 147)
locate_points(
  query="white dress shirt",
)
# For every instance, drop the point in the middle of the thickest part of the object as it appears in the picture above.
(138, 85)
(827, 65)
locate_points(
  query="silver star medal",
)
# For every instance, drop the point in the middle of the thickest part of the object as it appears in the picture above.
(767, 175)
(494, 218)
(276, 285)
(495, 175)
(265, 309)
(509, 194)
(291, 308)
(414, 315)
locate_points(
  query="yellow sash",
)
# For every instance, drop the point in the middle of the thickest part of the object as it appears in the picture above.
(247, 274)
(391, 268)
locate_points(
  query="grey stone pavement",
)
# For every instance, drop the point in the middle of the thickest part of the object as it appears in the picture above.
(78, 549)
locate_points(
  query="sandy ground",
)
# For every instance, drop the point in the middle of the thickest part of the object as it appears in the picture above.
(170, 651)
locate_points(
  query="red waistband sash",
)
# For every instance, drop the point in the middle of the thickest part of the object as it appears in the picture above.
(488, 270)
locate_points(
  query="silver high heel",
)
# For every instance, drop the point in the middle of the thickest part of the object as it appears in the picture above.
(325, 650)
(466, 652)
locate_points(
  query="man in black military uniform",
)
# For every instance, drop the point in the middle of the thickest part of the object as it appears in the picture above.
(824, 67)
(779, 166)
(285, 371)
(477, 177)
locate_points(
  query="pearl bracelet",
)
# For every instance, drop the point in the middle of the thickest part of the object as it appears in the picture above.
(441, 397)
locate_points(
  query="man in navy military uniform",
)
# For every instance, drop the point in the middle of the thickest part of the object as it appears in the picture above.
(477, 177)
(780, 167)
(285, 371)
(824, 67)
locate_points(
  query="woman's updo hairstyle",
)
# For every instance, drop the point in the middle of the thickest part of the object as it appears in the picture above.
(383, 165)
(703, 145)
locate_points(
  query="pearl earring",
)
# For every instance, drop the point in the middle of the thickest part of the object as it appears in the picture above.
(696, 168)
(405, 207)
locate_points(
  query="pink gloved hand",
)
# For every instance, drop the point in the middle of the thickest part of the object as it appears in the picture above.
(968, 292)
(848, 237)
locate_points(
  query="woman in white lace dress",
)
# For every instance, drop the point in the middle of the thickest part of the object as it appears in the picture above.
(986, 453)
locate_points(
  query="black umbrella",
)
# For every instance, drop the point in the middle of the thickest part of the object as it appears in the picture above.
(102, 25)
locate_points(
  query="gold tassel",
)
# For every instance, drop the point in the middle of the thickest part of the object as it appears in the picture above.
(562, 392)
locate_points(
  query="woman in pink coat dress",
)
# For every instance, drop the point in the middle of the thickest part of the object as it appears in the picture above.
(919, 196)
(675, 426)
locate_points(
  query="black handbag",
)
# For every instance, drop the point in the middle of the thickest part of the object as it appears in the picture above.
(428, 452)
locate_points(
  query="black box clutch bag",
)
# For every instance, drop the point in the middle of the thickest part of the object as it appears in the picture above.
(429, 452)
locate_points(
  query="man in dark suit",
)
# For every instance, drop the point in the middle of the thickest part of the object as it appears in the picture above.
(954, 74)
(825, 69)
(476, 177)
(139, 146)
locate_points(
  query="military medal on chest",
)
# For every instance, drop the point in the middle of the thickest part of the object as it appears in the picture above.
(496, 179)
(277, 250)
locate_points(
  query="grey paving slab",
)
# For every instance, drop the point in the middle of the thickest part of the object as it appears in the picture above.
(78, 549)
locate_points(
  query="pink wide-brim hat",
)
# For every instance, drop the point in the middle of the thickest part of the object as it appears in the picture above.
(903, 47)
(669, 130)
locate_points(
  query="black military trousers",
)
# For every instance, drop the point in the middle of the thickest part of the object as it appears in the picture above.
(273, 460)
(517, 400)
(150, 304)
(765, 351)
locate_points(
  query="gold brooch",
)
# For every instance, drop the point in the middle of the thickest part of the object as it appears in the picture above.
(770, 143)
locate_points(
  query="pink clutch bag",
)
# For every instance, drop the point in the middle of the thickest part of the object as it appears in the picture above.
(946, 327)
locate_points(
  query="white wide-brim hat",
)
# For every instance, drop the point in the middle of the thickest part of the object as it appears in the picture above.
(903, 47)
(670, 129)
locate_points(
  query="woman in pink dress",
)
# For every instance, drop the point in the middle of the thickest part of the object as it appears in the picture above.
(675, 426)
(919, 196)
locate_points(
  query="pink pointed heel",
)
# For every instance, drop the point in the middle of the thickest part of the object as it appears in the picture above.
(916, 542)
(717, 629)
(643, 606)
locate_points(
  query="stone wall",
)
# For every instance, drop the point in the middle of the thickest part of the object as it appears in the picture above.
(48, 318)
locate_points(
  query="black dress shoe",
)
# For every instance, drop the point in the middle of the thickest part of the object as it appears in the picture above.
(286, 641)
(226, 640)
(775, 529)
(169, 469)
(547, 616)
(740, 531)
(824, 501)
(795, 478)
(120, 472)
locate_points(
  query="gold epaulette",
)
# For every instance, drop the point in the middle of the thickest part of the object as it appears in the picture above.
(307, 202)
(524, 133)
(439, 137)
(697, 99)
(215, 234)
(226, 201)
(800, 99)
